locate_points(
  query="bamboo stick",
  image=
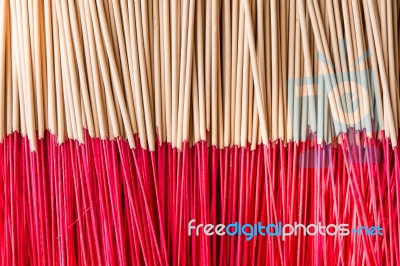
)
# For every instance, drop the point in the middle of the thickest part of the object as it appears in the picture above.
(28, 85)
(81, 68)
(226, 70)
(144, 82)
(3, 41)
(8, 75)
(388, 112)
(250, 39)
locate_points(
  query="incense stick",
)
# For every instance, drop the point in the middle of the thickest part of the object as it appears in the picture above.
(130, 130)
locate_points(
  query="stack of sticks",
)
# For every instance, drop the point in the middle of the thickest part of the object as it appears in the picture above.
(121, 121)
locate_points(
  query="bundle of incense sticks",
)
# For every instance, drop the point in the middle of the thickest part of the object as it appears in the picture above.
(130, 129)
